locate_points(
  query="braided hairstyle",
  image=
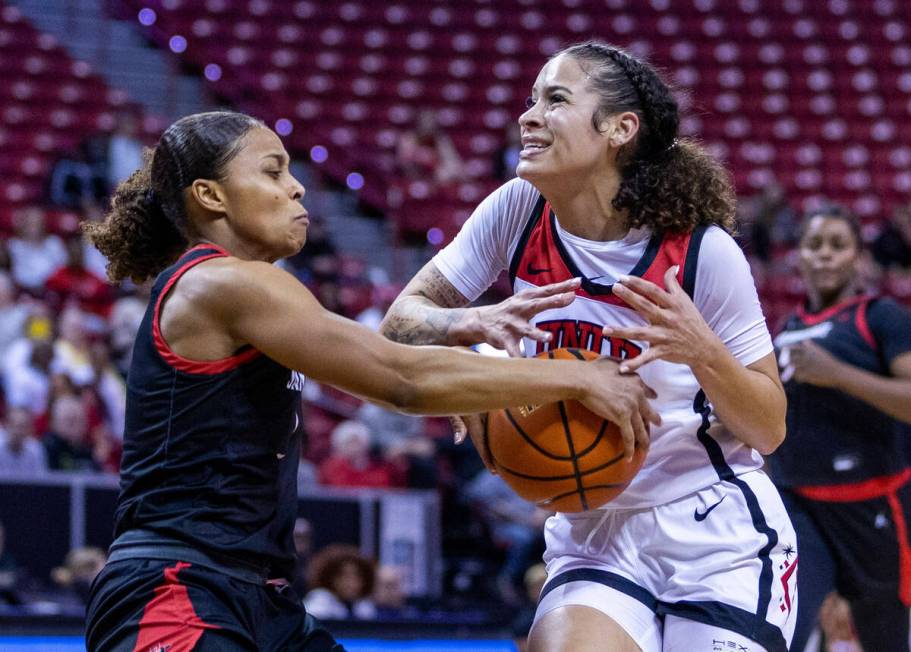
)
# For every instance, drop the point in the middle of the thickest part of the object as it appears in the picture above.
(667, 184)
(148, 227)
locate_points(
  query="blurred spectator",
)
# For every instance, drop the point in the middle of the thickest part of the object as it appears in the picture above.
(534, 580)
(109, 387)
(34, 255)
(506, 158)
(79, 178)
(20, 453)
(427, 153)
(381, 297)
(73, 282)
(126, 316)
(66, 443)
(768, 222)
(515, 525)
(9, 573)
(79, 570)
(318, 261)
(27, 367)
(13, 313)
(124, 149)
(303, 550)
(351, 464)
(388, 594)
(892, 247)
(342, 582)
(72, 356)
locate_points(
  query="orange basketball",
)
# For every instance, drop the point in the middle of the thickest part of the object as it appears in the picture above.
(562, 455)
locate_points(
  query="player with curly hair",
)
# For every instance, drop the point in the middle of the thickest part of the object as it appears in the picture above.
(698, 552)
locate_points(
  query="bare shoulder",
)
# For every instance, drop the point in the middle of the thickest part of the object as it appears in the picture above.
(230, 284)
(431, 284)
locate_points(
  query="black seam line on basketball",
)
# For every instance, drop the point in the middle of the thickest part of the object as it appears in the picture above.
(486, 442)
(556, 478)
(572, 452)
(576, 353)
(579, 356)
(600, 436)
(524, 435)
(615, 485)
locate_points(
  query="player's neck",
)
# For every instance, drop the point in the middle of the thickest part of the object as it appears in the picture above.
(818, 301)
(590, 214)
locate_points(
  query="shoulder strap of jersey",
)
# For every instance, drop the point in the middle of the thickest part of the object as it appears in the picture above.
(537, 214)
(163, 285)
(691, 261)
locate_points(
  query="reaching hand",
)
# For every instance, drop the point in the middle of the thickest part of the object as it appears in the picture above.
(503, 325)
(676, 331)
(621, 398)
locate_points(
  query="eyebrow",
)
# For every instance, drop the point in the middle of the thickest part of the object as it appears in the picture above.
(551, 89)
(281, 158)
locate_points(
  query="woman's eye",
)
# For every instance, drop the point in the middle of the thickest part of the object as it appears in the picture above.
(275, 174)
(556, 97)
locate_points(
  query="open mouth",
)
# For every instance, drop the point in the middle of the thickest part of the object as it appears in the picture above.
(531, 149)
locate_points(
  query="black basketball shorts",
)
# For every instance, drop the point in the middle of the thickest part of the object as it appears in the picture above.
(154, 605)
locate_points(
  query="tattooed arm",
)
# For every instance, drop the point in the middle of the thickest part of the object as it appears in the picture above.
(430, 310)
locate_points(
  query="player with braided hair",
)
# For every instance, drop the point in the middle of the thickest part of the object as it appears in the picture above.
(698, 553)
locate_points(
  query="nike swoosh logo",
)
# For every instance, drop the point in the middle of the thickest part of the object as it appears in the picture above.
(700, 516)
(530, 269)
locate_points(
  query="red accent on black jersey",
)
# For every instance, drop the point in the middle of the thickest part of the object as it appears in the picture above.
(172, 358)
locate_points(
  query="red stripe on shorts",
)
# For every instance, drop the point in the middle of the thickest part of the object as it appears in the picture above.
(169, 622)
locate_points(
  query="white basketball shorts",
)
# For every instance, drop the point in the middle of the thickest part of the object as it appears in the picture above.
(725, 557)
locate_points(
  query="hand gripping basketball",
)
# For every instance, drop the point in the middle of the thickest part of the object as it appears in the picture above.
(563, 455)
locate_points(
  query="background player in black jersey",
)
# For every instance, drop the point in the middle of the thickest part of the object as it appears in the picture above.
(208, 484)
(846, 360)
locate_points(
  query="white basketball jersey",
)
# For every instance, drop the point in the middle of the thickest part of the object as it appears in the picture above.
(690, 450)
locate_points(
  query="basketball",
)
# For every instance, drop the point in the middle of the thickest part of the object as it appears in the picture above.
(561, 455)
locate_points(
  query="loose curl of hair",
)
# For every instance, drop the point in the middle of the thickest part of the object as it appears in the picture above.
(667, 184)
(147, 227)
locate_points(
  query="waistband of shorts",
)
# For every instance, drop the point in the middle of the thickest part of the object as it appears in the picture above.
(144, 544)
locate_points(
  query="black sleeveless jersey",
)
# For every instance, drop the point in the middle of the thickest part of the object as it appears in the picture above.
(832, 437)
(211, 449)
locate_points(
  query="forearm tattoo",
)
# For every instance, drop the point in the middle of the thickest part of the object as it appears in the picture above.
(429, 315)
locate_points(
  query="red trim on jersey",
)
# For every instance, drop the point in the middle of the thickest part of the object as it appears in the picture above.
(177, 361)
(860, 320)
(904, 549)
(856, 491)
(541, 262)
(813, 318)
(169, 621)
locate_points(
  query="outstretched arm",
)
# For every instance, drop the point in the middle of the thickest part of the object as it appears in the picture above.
(257, 303)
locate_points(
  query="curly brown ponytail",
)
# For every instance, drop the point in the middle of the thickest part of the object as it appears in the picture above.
(137, 238)
(668, 184)
(147, 227)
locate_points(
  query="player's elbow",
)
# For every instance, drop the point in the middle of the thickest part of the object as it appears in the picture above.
(772, 440)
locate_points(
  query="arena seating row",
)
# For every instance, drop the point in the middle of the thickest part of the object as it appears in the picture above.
(49, 103)
(816, 93)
